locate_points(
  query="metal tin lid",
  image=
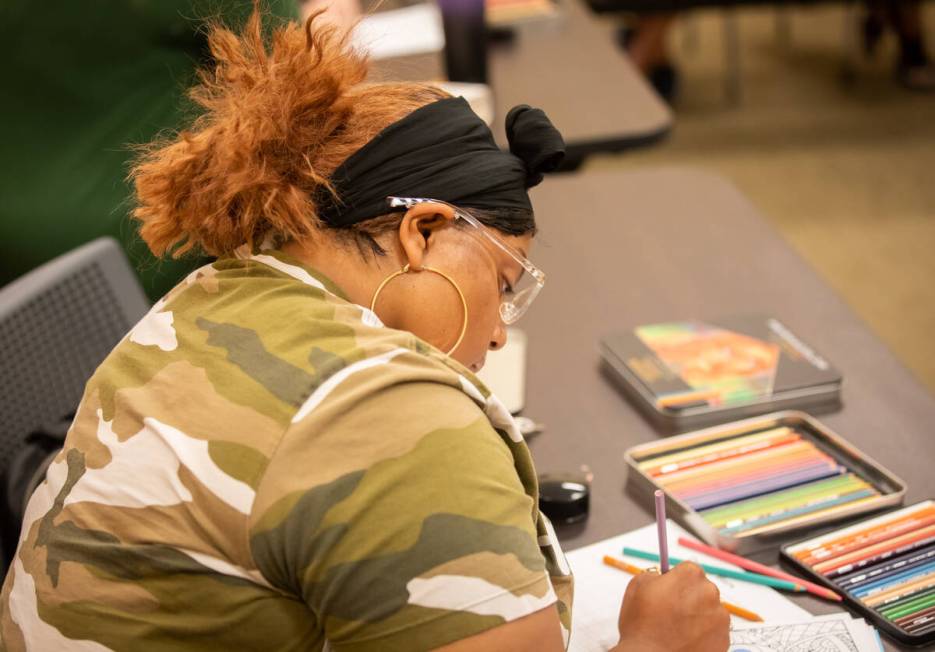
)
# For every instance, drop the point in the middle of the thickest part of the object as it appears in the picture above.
(564, 498)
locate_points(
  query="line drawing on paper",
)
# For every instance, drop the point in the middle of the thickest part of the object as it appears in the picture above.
(819, 636)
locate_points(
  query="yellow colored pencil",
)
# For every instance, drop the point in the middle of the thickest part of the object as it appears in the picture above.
(619, 564)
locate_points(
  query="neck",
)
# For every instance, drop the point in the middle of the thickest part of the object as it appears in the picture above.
(357, 278)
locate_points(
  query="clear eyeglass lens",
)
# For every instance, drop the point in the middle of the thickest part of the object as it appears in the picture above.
(516, 302)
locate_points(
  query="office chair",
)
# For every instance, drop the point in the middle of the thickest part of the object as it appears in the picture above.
(57, 324)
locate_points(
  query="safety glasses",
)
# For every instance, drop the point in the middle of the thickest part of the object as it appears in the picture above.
(517, 299)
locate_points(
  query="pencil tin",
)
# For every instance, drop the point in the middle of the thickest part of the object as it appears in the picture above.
(754, 484)
(883, 567)
(691, 374)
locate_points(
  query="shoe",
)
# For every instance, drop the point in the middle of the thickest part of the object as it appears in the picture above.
(917, 78)
(624, 36)
(665, 80)
(872, 33)
(915, 71)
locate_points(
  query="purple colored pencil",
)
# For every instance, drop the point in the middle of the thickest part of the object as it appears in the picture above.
(710, 499)
(661, 530)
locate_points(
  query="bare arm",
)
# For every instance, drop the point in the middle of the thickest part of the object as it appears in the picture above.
(651, 605)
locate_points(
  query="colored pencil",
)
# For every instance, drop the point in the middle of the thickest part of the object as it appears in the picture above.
(924, 582)
(636, 570)
(619, 564)
(802, 510)
(856, 542)
(913, 619)
(709, 454)
(838, 511)
(796, 450)
(720, 479)
(686, 397)
(744, 509)
(886, 571)
(744, 576)
(886, 563)
(874, 549)
(911, 605)
(861, 528)
(661, 531)
(782, 480)
(869, 588)
(879, 533)
(743, 613)
(883, 556)
(755, 567)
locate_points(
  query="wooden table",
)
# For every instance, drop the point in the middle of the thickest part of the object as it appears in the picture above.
(570, 67)
(621, 249)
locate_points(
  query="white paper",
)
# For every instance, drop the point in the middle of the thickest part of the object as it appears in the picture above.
(599, 588)
(505, 371)
(400, 32)
(834, 633)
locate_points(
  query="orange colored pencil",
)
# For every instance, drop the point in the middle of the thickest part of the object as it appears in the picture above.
(855, 532)
(619, 564)
(751, 565)
(721, 455)
(826, 567)
(743, 613)
(832, 549)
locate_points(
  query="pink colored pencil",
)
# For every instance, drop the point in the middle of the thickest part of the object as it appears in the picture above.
(661, 530)
(750, 565)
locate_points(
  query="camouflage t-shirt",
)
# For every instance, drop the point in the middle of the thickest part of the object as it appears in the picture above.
(261, 464)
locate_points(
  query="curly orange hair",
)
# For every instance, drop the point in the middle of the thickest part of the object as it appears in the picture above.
(279, 111)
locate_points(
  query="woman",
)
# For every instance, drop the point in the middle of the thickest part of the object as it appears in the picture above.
(266, 463)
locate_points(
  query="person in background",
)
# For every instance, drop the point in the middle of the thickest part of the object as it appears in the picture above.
(645, 41)
(82, 82)
(914, 68)
(291, 451)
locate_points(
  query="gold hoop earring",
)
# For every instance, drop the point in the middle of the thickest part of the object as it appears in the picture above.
(406, 270)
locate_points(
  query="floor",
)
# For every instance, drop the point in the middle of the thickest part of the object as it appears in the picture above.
(845, 171)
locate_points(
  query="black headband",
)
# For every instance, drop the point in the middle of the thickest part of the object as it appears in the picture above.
(445, 151)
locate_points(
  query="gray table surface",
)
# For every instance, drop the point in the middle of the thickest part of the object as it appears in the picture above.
(625, 248)
(570, 67)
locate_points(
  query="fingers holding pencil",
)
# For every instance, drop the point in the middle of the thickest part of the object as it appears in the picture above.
(636, 570)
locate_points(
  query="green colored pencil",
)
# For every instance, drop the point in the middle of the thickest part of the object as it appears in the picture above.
(910, 607)
(754, 578)
(745, 509)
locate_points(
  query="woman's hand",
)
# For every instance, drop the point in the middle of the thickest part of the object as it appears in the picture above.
(677, 612)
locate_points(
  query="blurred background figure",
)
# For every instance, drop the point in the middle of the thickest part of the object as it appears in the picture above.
(645, 39)
(914, 69)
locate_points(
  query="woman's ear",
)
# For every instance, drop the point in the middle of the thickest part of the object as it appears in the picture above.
(417, 226)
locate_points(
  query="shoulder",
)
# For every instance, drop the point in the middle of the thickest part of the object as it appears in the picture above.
(403, 518)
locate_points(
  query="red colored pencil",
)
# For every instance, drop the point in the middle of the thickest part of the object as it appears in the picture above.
(750, 565)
